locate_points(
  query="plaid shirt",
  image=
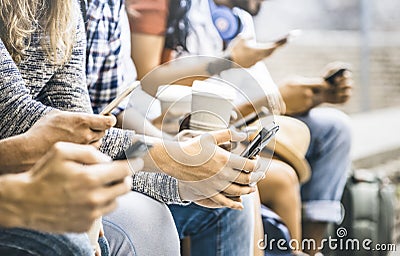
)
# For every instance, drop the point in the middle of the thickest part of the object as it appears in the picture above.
(104, 62)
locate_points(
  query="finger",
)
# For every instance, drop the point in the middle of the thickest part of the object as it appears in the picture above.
(227, 135)
(107, 194)
(101, 122)
(207, 203)
(240, 163)
(105, 174)
(235, 190)
(242, 178)
(84, 154)
(224, 201)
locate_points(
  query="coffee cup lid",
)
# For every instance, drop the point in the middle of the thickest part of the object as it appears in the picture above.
(172, 93)
(210, 89)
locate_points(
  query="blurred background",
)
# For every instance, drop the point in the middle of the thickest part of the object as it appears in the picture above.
(364, 33)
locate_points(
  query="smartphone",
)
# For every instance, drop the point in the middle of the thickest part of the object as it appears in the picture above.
(331, 78)
(277, 42)
(289, 36)
(113, 104)
(137, 149)
(260, 141)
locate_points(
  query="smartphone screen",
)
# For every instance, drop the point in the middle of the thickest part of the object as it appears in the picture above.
(260, 141)
(113, 104)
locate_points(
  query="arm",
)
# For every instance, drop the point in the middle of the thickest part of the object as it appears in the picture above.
(204, 170)
(67, 90)
(65, 191)
(147, 45)
(302, 93)
(18, 110)
(21, 152)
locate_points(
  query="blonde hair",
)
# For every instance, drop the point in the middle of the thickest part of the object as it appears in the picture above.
(20, 18)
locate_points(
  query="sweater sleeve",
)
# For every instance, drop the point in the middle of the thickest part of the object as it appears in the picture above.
(159, 186)
(18, 110)
(66, 89)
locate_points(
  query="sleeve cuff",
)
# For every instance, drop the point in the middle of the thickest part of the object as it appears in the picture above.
(159, 186)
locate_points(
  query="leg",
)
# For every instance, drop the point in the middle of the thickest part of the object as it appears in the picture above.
(280, 191)
(141, 226)
(329, 158)
(29, 242)
(258, 225)
(221, 231)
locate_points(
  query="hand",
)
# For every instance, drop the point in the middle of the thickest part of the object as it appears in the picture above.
(231, 195)
(300, 94)
(66, 126)
(246, 55)
(340, 90)
(204, 169)
(70, 187)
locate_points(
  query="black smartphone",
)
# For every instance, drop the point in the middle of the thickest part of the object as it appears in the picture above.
(260, 141)
(331, 78)
(137, 149)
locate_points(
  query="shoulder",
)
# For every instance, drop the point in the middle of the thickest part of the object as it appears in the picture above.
(148, 16)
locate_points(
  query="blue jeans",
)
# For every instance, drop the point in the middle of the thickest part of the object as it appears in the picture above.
(25, 242)
(221, 231)
(140, 226)
(329, 158)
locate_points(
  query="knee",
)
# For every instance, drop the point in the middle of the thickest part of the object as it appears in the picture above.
(340, 124)
(141, 226)
(287, 176)
(331, 125)
(281, 177)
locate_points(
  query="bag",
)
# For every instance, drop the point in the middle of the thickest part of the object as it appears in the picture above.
(275, 229)
(371, 207)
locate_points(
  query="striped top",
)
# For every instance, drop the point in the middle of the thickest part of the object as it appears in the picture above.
(35, 86)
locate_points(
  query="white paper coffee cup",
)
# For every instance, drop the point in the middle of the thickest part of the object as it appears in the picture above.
(175, 99)
(212, 104)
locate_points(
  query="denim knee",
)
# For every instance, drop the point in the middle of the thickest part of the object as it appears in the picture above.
(329, 158)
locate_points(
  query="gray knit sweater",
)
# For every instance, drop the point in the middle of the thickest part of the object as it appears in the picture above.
(35, 86)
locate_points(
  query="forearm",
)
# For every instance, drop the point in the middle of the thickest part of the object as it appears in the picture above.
(11, 210)
(19, 153)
